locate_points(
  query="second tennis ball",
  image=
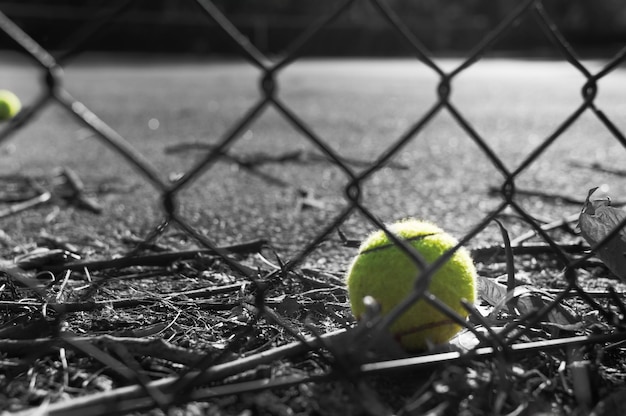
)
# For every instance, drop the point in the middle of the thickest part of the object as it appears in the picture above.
(10, 105)
(385, 272)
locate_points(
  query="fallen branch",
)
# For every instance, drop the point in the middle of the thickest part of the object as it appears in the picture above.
(251, 168)
(23, 206)
(152, 347)
(161, 259)
(77, 195)
(300, 156)
(483, 253)
(598, 167)
(297, 156)
(205, 292)
(69, 307)
(546, 227)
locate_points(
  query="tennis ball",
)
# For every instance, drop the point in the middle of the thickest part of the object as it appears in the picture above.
(385, 272)
(10, 105)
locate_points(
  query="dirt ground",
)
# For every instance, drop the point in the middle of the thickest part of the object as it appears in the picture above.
(278, 190)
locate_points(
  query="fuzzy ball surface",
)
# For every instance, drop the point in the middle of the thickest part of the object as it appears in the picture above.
(384, 271)
(10, 105)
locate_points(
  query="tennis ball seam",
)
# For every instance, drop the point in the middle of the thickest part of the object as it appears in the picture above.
(392, 244)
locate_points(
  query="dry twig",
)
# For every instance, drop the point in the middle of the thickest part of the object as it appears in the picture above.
(23, 206)
(152, 347)
(160, 259)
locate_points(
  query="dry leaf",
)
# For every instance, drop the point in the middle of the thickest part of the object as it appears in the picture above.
(528, 298)
(597, 219)
(491, 291)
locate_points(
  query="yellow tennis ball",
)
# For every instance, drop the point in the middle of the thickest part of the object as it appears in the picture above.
(10, 105)
(385, 272)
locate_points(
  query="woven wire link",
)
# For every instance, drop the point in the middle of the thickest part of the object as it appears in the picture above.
(503, 344)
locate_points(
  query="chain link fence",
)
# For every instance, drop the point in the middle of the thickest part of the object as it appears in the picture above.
(477, 379)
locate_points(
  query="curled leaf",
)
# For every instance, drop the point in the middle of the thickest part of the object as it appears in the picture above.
(597, 219)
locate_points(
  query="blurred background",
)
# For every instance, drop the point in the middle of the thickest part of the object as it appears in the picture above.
(448, 27)
(361, 91)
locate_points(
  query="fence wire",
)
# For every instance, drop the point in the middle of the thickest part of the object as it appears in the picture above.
(203, 378)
